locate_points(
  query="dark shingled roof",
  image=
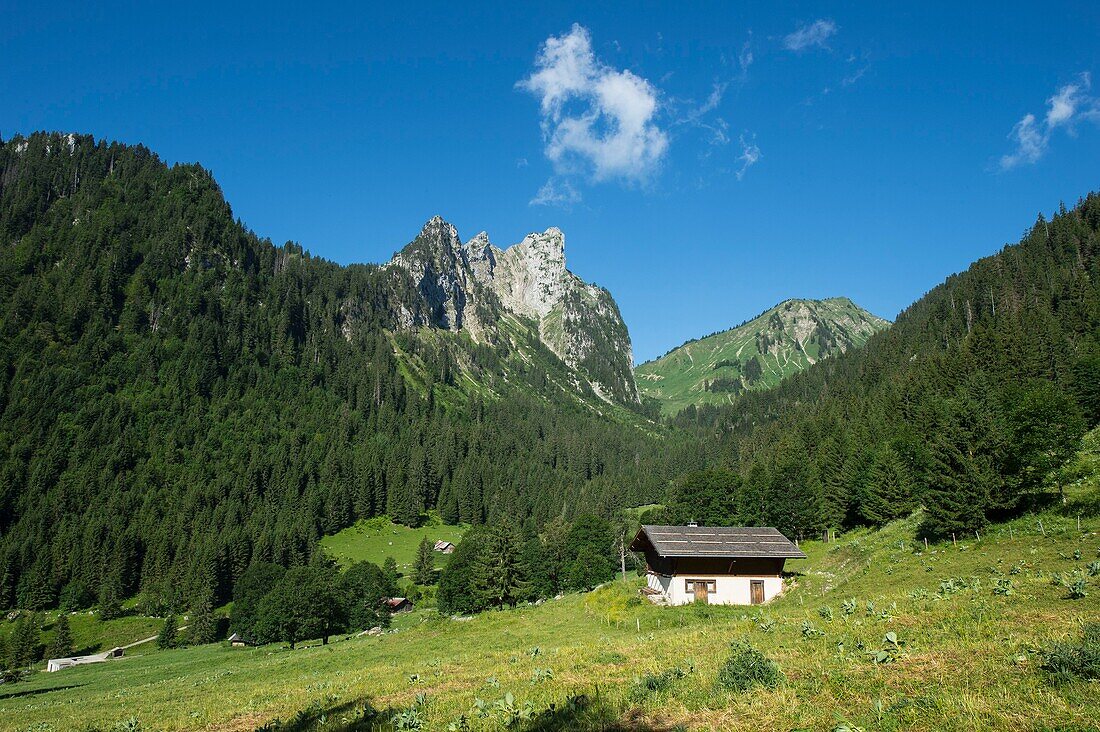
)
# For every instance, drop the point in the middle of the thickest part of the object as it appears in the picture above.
(717, 541)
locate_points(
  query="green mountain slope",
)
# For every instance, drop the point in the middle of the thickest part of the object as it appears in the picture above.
(962, 406)
(757, 354)
(180, 398)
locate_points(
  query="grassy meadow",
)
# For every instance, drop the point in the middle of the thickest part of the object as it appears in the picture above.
(90, 635)
(969, 622)
(375, 539)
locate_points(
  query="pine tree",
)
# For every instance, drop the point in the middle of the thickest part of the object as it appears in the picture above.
(888, 495)
(390, 575)
(424, 571)
(168, 633)
(62, 644)
(503, 574)
(26, 640)
(204, 626)
(110, 605)
(956, 491)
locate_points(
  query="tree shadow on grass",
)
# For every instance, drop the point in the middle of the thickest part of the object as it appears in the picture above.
(357, 715)
(12, 694)
(579, 712)
(584, 713)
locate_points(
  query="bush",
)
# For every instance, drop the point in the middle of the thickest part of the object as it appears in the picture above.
(656, 682)
(747, 667)
(1075, 660)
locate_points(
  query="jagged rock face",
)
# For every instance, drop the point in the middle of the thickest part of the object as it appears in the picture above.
(463, 286)
(440, 269)
(531, 278)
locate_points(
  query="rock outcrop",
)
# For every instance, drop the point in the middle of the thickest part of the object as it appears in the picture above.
(468, 286)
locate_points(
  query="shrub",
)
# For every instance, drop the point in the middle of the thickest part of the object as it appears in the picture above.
(1075, 660)
(656, 682)
(747, 667)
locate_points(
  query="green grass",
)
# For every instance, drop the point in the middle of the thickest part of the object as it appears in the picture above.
(968, 657)
(375, 539)
(91, 635)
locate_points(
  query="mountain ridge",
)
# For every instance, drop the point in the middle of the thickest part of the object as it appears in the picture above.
(757, 353)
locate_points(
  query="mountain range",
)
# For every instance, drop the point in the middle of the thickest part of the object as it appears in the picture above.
(181, 398)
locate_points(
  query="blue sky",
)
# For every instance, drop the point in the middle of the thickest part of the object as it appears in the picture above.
(704, 163)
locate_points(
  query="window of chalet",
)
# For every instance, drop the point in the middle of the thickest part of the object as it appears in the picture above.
(711, 585)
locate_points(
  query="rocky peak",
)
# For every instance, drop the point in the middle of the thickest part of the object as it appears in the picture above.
(481, 255)
(577, 321)
(436, 262)
(532, 276)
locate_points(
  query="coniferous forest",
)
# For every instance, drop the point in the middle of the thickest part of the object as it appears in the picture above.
(965, 406)
(182, 400)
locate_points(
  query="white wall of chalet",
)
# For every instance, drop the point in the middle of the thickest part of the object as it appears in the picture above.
(727, 589)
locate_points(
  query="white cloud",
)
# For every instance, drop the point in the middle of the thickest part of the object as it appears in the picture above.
(1065, 108)
(595, 119)
(815, 34)
(1031, 143)
(750, 155)
(745, 58)
(853, 78)
(1066, 102)
(556, 193)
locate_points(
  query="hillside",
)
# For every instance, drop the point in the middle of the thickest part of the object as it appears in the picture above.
(971, 622)
(962, 406)
(180, 398)
(757, 354)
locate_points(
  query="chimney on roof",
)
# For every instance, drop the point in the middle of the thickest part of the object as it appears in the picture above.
(693, 524)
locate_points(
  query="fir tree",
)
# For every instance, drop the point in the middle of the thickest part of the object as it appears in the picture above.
(25, 643)
(62, 644)
(203, 627)
(888, 495)
(110, 605)
(424, 572)
(503, 574)
(957, 491)
(390, 576)
(168, 633)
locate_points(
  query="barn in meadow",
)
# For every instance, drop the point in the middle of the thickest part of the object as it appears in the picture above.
(720, 565)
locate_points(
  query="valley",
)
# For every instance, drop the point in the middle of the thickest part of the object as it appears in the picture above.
(972, 623)
(203, 433)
